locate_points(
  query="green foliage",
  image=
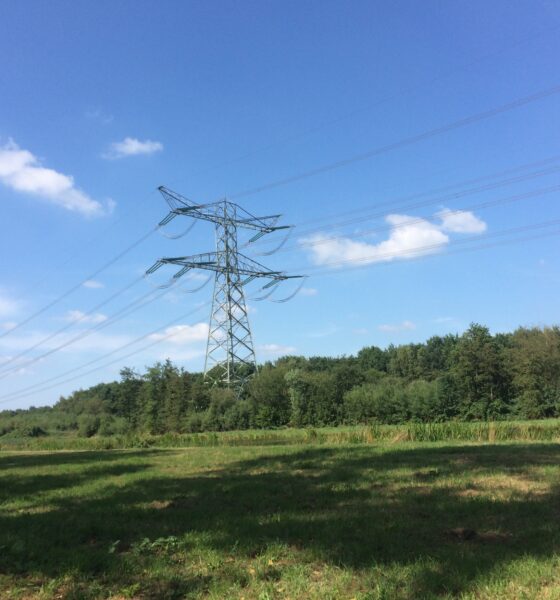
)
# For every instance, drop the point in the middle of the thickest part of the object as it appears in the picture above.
(473, 377)
(110, 425)
(88, 425)
(534, 356)
(482, 376)
(270, 397)
(384, 402)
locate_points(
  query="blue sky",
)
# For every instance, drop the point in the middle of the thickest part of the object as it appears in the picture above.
(102, 102)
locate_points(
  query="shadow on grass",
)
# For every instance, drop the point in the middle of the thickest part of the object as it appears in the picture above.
(353, 507)
(18, 460)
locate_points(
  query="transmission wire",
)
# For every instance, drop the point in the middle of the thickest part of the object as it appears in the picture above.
(402, 143)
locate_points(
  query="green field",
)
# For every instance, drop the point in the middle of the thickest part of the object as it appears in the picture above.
(380, 520)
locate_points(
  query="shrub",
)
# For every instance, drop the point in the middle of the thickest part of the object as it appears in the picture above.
(385, 402)
(88, 425)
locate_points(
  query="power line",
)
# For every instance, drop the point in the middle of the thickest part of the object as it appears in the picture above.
(460, 184)
(72, 289)
(305, 243)
(480, 206)
(421, 251)
(476, 206)
(402, 143)
(3, 370)
(118, 316)
(31, 389)
(73, 251)
(339, 164)
(379, 102)
(82, 317)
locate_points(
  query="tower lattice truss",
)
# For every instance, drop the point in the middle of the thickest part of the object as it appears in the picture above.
(230, 354)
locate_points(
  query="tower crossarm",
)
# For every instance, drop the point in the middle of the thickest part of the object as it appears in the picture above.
(180, 205)
(210, 261)
(217, 213)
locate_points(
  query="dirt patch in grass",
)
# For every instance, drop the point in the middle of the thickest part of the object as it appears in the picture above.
(465, 534)
(160, 504)
(504, 487)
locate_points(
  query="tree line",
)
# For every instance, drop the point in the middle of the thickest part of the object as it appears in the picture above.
(473, 376)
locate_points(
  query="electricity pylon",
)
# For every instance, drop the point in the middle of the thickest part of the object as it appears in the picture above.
(230, 354)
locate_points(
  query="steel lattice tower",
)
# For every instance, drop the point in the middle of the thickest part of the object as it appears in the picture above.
(230, 355)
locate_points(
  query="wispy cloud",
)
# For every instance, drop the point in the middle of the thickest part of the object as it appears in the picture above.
(179, 354)
(132, 147)
(77, 316)
(95, 342)
(275, 349)
(329, 330)
(307, 291)
(8, 306)
(183, 334)
(461, 221)
(404, 326)
(93, 284)
(22, 171)
(444, 320)
(17, 365)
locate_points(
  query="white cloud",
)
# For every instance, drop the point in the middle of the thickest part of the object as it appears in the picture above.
(95, 342)
(179, 355)
(7, 306)
(183, 334)
(21, 171)
(307, 291)
(93, 284)
(132, 147)
(77, 316)
(409, 237)
(14, 370)
(404, 326)
(444, 319)
(329, 330)
(460, 221)
(7, 325)
(275, 349)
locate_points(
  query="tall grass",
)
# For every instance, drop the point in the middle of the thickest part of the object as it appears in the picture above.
(546, 431)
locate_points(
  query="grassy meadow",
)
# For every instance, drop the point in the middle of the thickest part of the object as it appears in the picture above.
(366, 521)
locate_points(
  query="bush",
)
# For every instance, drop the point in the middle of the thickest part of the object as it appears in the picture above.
(32, 431)
(88, 425)
(385, 402)
(194, 423)
(238, 415)
(109, 425)
(422, 399)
